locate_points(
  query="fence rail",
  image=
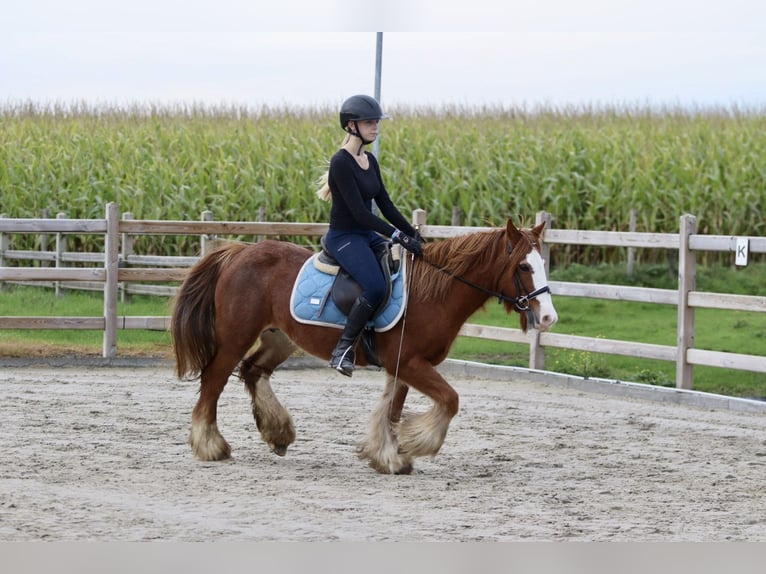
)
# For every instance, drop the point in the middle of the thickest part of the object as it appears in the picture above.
(117, 273)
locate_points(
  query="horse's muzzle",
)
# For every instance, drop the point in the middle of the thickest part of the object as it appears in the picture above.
(544, 319)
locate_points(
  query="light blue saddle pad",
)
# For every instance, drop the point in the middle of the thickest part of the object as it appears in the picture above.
(311, 294)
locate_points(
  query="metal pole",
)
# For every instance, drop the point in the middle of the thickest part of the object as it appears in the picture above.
(378, 71)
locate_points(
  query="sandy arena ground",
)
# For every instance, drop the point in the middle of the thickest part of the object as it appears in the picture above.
(100, 454)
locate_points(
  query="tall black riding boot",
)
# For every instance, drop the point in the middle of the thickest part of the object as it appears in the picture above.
(342, 359)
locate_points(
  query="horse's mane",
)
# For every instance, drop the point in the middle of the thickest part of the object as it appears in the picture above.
(482, 251)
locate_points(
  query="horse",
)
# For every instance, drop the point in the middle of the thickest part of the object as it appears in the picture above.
(232, 312)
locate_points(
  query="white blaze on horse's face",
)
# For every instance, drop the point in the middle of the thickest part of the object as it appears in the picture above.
(546, 314)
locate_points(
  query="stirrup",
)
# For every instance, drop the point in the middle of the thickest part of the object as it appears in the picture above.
(345, 370)
(344, 364)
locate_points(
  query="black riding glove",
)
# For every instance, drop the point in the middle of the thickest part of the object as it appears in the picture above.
(409, 243)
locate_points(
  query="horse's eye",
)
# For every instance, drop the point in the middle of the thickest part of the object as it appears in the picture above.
(525, 267)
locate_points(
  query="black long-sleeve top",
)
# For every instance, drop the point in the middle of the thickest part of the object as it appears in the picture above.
(353, 190)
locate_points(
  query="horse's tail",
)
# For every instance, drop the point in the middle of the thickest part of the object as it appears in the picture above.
(192, 325)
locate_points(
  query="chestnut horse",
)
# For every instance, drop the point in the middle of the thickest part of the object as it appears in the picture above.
(233, 309)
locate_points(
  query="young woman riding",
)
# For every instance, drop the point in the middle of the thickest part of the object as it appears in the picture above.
(353, 182)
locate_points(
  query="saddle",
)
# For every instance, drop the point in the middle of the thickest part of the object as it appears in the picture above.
(323, 294)
(345, 289)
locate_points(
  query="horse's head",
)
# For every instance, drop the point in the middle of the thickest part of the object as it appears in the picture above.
(526, 278)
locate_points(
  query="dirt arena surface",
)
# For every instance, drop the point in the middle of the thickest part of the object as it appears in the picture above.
(100, 454)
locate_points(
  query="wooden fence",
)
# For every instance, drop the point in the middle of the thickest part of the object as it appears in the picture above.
(121, 271)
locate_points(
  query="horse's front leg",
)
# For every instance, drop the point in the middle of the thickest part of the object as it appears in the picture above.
(397, 405)
(381, 447)
(423, 434)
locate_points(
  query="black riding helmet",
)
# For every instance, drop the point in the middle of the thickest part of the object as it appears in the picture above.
(358, 108)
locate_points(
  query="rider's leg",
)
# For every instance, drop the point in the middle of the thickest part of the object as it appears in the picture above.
(353, 252)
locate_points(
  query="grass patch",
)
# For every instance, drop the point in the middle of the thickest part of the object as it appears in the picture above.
(44, 342)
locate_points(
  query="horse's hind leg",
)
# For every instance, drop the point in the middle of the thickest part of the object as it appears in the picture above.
(272, 419)
(205, 439)
(381, 447)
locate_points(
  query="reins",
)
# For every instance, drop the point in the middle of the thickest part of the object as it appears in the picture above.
(520, 303)
(401, 336)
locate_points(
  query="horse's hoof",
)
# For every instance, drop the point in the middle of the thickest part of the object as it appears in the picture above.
(406, 469)
(207, 444)
(279, 450)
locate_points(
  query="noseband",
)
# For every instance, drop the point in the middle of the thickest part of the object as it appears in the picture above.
(520, 303)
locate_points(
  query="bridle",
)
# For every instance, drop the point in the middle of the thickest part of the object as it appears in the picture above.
(520, 303)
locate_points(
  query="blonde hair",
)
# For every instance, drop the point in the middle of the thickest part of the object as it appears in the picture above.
(323, 181)
(323, 192)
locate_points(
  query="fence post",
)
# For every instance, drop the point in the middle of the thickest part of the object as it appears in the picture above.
(456, 216)
(687, 271)
(632, 250)
(206, 239)
(419, 218)
(60, 248)
(3, 248)
(126, 251)
(111, 266)
(44, 240)
(545, 249)
(260, 218)
(536, 350)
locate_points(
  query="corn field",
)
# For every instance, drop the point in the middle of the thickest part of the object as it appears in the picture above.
(588, 167)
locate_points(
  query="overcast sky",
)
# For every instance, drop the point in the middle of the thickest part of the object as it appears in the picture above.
(303, 52)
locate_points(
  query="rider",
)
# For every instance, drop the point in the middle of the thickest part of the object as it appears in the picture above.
(353, 182)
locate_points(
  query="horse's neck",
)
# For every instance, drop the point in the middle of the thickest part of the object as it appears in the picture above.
(464, 300)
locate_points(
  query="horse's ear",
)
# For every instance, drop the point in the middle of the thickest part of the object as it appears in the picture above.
(537, 230)
(512, 233)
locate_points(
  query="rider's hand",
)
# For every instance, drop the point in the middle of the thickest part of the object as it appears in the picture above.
(409, 243)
